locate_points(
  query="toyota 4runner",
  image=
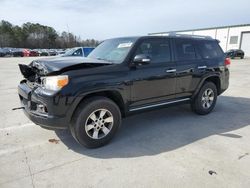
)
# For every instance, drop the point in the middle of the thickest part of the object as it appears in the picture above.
(120, 77)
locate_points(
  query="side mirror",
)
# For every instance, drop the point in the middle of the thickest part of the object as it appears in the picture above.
(141, 59)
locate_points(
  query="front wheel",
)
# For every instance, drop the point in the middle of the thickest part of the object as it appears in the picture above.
(95, 122)
(205, 100)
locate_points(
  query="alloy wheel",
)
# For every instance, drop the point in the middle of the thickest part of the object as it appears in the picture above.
(99, 123)
(207, 98)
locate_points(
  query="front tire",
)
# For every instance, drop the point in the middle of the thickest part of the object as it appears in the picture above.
(95, 122)
(205, 100)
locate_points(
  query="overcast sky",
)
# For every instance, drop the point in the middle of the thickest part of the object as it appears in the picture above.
(101, 19)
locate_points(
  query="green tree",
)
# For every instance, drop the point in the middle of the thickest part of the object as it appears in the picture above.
(35, 35)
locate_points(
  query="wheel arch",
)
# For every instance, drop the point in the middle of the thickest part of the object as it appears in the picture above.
(113, 95)
(212, 78)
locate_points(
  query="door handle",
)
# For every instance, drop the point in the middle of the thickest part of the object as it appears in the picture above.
(171, 70)
(202, 67)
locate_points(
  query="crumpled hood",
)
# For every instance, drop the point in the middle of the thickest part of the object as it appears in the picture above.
(59, 64)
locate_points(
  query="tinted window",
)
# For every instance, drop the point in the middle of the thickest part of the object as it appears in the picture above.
(210, 49)
(185, 50)
(157, 50)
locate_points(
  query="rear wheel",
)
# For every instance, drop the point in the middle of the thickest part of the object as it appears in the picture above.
(95, 122)
(205, 100)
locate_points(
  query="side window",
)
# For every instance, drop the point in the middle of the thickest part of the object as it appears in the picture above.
(158, 50)
(78, 52)
(210, 49)
(185, 50)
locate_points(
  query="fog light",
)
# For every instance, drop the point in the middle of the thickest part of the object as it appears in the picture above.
(41, 108)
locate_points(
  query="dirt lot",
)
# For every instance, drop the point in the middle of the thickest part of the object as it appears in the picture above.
(172, 147)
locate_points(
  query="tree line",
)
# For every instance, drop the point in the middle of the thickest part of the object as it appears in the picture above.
(35, 35)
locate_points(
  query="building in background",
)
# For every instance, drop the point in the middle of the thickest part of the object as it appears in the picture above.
(230, 37)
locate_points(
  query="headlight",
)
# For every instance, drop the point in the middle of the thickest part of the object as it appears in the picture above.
(54, 83)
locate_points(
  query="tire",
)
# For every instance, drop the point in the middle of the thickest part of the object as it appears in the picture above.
(242, 57)
(204, 103)
(94, 134)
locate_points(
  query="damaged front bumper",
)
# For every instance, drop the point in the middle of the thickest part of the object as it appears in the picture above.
(44, 108)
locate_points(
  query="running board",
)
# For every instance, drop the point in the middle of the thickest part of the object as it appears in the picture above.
(159, 104)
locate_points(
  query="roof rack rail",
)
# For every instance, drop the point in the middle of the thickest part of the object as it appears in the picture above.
(187, 35)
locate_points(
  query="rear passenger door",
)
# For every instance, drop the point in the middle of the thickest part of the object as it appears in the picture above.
(190, 66)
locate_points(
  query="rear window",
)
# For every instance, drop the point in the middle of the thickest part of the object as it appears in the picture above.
(210, 49)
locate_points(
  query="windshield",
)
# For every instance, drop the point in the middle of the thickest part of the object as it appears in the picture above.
(113, 50)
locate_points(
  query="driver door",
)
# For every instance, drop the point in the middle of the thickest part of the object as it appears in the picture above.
(154, 82)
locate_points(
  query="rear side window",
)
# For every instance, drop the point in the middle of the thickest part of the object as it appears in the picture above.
(210, 49)
(157, 49)
(185, 50)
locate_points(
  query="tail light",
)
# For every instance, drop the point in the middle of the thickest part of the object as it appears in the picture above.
(227, 62)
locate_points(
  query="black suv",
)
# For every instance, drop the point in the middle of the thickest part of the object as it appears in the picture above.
(120, 77)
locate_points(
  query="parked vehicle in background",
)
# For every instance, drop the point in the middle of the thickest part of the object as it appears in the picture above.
(120, 77)
(19, 52)
(53, 52)
(6, 52)
(78, 51)
(233, 53)
(60, 52)
(44, 52)
(34, 53)
(2, 52)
